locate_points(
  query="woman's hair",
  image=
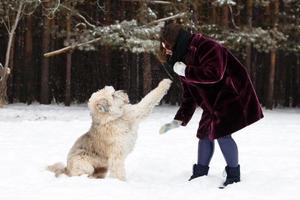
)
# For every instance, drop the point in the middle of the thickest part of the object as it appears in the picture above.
(168, 34)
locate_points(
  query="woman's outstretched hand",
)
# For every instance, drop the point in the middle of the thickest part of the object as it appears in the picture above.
(168, 126)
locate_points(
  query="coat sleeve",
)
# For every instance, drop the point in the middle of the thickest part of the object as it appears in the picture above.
(187, 107)
(210, 64)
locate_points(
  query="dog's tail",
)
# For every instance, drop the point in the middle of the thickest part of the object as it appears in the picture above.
(57, 169)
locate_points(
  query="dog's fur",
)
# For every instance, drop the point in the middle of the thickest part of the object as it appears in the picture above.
(112, 134)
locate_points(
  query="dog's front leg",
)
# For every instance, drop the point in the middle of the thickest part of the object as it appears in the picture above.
(145, 106)
(117, 169)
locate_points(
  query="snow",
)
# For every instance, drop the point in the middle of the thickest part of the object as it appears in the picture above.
(225, 2)
(31, 137)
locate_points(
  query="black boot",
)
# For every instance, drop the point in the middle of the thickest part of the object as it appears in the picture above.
(233, 175)
(199, 170)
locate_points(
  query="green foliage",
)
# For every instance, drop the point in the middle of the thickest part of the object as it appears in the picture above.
(224, 2)
(133, 36)
(292, 44)
(263, 3)
(127, 35)
(261, 39)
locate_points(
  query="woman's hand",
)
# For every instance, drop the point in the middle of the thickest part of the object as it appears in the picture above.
(179, 68)
(168, 126)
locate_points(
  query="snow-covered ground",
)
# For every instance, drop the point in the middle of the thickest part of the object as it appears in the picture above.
(31, 137)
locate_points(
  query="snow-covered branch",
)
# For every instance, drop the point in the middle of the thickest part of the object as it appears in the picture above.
(127, 35)
(224, 2)
(70, 48)
(167, 18)
(149, 1)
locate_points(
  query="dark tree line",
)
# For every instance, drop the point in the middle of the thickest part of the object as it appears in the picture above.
(264, 34)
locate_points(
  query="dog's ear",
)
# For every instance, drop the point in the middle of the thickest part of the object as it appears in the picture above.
(121, 95)
(109, 89)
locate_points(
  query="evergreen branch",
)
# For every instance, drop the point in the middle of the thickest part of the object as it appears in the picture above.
(149, 1)
(70, 48)
(75, 46)
(167, 18)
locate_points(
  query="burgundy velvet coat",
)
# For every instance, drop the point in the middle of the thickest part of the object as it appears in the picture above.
(217, 82)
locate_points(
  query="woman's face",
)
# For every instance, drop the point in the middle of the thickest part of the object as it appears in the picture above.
(167, 48)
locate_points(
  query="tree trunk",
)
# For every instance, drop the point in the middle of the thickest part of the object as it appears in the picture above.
(147, 75)
(254, 67)
(124, 57)
(225, 16)
(213, 13)
(249, 45)
(10, 91)
(69, 64)
(238, 16)
(198, 14)
(29, 73)
(106, 58)
(280, 82)
(44, 90)
(6, 71)
(134, 78)
(3, 87)
(270, 93)
(297, 82)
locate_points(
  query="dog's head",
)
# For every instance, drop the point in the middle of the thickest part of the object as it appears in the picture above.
(107, 104)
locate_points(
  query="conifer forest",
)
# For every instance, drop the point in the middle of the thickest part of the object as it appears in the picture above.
(61, 51)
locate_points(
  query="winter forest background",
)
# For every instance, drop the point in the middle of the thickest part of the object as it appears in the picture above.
(61, 51)
(114, 42)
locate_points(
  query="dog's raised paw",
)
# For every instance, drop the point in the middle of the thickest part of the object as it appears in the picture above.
(165, 83)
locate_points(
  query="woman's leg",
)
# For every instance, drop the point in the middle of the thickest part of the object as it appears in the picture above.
(230, 153)
(206, 149)
(205, 153)
(229, 150)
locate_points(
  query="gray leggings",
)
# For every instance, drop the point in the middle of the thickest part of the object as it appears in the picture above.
(228, 147)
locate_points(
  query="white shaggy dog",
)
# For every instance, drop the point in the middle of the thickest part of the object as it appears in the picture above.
(112, 135)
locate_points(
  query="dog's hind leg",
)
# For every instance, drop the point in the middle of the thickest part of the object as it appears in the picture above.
(79, 165)
(57, 169)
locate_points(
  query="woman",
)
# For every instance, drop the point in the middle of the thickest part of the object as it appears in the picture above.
(215, 80)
